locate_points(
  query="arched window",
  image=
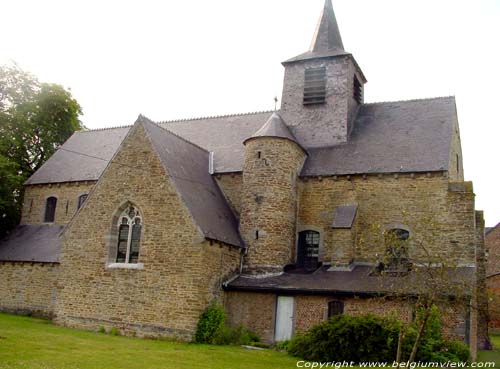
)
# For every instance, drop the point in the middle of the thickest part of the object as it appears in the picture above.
(129, 236)
(396, 243)
(81, 200)
(50, 210)
(308, 250)
(335, 308)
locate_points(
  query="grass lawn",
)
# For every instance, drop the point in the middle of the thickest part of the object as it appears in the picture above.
(493, 355)
(30, 343)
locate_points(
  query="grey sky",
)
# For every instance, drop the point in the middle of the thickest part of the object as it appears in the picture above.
(180, 59)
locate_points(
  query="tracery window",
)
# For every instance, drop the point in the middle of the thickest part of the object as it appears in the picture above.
(129, 236)
(50, 209)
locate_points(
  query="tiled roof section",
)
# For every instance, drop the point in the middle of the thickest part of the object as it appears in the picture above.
(274, 127)
(32, 243)
(391, 137)
(223, 136)
(358, 281)
(83, 157)
(344, 216)
(187, 165)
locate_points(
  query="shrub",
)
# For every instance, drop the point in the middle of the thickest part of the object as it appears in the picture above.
(211, 321)
(213, 330)
(348, 338)
(101, 329)
(114, 331)
(238, 335)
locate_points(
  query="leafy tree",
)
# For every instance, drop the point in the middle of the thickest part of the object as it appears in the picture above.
(35, 118)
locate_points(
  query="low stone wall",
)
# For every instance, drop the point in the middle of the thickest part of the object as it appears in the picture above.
(28, 288)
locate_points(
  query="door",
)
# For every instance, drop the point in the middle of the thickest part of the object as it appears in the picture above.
(284, 318)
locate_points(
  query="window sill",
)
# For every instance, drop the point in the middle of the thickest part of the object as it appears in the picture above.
(125, 266)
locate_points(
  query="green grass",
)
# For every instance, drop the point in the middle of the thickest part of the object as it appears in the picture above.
(493, 355)
(30, 343)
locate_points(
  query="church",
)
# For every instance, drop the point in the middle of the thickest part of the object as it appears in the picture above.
(281, 216)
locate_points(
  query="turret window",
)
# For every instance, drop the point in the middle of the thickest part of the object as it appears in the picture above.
(50, 210)
(315, 86)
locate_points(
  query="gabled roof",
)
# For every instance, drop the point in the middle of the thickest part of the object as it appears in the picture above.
(188, 167)
(388, 137)
(274, 127)
(32, 243)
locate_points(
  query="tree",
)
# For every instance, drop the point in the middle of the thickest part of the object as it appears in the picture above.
(35, 118)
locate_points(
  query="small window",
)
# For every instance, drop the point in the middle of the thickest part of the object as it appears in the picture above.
(308, 250)
(315, 86)
(81, 200)
(458, 164)
(335, 308)
(396, 241)
(357, 92)
(50, 210)
(129, 236)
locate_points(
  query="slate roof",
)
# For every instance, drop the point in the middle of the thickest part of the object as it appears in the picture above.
(187, 166)
(274, 127)
(32, 243)
(344, 216)
(389, 137)
(359, 281)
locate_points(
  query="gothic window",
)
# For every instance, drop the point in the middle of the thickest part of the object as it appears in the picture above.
(308, 250)
(315, 86)
(81, 199)
(396, 242)
(335, 308)
(50, 210)
(129, 236)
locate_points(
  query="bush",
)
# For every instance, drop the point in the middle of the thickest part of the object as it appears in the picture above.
(213, 330)
(371, 338)
(211, 321)
(348, 338)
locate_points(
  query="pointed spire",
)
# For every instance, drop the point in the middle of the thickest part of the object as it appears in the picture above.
(327, 36)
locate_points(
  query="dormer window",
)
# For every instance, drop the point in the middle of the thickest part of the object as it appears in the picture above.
(315, 86)
(357, 91)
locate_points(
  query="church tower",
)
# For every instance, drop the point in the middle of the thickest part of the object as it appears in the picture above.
(322, 88)
(273, 161)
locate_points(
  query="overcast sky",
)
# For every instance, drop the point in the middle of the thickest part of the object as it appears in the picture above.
(181, 59)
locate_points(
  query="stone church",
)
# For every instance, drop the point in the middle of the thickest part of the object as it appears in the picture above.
(280, 216)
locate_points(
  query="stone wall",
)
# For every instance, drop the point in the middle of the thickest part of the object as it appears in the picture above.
(269, 202)
(232, 187)
(178, 273)
(28, 288)
(67, 194)
(493, 283)
(329, 120)
(257, 312)
(439, 215)
(492, 242)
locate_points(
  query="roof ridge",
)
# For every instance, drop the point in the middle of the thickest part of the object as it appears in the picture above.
(176, 135)
(412, 100)
(103, 128)
(215, 116)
